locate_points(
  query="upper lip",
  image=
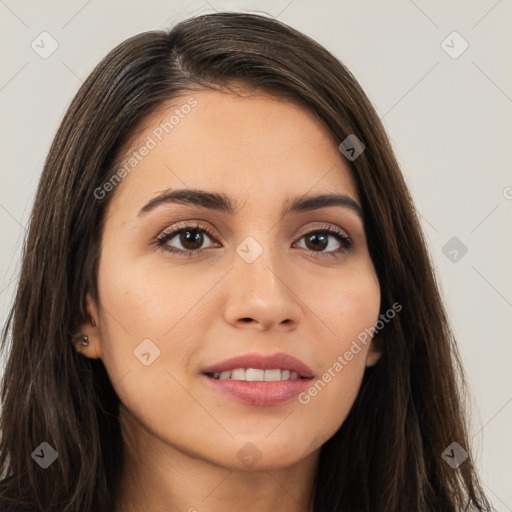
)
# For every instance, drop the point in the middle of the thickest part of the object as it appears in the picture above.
(263, 362)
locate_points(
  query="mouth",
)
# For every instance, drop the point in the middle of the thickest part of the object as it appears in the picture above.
(256, 375)
(260, 368)
(257, 379)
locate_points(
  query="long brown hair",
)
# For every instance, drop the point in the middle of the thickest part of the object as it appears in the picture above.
(387, 455)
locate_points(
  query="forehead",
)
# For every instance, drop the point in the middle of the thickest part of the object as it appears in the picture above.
(242, 146)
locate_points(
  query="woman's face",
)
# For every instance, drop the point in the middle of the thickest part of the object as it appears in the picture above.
(281, 293)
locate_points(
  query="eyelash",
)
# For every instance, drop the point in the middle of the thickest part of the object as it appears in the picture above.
(162, 239)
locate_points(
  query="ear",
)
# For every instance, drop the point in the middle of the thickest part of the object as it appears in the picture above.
(375, 350)
(92, 329)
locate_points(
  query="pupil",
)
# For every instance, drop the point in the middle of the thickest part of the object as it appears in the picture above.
(193, 241)
(316, 240)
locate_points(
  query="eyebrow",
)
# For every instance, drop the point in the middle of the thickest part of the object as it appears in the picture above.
(222, 202)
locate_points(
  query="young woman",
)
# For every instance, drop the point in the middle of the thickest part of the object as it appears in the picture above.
(226, 302)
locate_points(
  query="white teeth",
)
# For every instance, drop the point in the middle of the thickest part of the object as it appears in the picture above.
(256, 375)
(238, 374)
(252, 375)
(271, 375)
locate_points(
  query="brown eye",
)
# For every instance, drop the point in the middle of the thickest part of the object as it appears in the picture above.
(185, 239)
(327, 241)
(191, 240)
(317, 241)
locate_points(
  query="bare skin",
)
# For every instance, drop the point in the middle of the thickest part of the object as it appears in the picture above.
(182, 435)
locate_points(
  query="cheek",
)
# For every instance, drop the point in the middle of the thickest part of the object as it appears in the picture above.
(147, 332)
(137, 312)
(140, 303)
(350, 310)
(347, 304)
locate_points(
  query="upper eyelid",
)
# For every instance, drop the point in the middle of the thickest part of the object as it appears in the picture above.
(175, 229)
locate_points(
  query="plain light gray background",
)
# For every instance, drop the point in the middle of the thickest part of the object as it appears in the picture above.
(448, 116)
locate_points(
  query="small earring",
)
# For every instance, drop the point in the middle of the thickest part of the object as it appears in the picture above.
(82, 339)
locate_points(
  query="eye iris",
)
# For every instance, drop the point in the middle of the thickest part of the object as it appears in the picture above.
(316, 241)
(191, 239)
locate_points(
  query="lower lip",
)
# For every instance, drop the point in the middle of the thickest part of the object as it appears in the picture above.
(261, 393)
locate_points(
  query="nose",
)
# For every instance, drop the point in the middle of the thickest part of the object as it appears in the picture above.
(261, 294)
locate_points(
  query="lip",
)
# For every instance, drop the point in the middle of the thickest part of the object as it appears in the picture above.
(261, 393)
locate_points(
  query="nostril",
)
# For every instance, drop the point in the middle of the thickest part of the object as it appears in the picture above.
(246, 319)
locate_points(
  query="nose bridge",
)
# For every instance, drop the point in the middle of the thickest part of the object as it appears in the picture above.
(256, 263)
(259, 290)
